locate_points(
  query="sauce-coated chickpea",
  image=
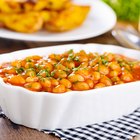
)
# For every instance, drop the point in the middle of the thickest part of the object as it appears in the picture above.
(105, 80)
(16, 80)
(90, 83)
(103, 70)
(80, 86)
(66, 83)
(99, 85)
(59, 89)
(96, 76)
(75, 77)
(35, 86)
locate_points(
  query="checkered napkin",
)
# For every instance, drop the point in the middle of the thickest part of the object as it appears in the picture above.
(121, 129)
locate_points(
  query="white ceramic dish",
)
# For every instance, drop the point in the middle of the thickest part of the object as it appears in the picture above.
(42, 110)
(100, 20)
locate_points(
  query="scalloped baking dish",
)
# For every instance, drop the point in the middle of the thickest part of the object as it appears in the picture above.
(42, 110)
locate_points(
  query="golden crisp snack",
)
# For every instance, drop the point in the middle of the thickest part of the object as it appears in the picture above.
(30, 16)
(45, 4)
(9, 6)
(67, 19)
(56, 4)
(26, 22)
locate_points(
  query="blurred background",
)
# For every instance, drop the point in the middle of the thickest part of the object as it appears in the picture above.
(126, 10)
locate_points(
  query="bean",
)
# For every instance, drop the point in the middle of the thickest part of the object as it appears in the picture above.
(109, 57)
(96, 76)
(16, 63)
(35, 86)
(115, 66)
(83, 58)
(103, 70)
(99, 85)
(105, 80)
(48, 66)
(69, 64)
(17, 80)
(80, 86)
(114, 73)
(90, 83)
(60, 74)
(127, 77)
(54, 82)
(29, 65)
(75, 77)
(84, 65)
(30, 73)
(31, 79)
(9, 70)
(66, 83)
(59, 89)
(83, 71)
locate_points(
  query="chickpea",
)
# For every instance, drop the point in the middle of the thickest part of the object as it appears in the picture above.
(127, 67)
(94, 62)
(56, 57)
(23, 62)
(84, 65)
(45, 82)
(9, 70)
(115, 66)
(54, 82)
(67, 90)
(66, 83)
(59, 89)
(80, 86)
(103, 70)
(109, 56)
(69, 64)
(127, 77)
(99, 85)
(29, 65)
(48, 89)
(31, 79)
(34, 86)
(115, 79)
(84, 72)
(96, 76)
(60, 67)
(30, 73)
(53, 62)
(82, 52)
(63, 60)
(83, 58)
(16, 63)
(16, 80)
(105, 80)
(90, 83)
(48, 66)
(35, 57)
(118, 82)
(114, 73)
(91, 56)
(75, 77)
(59, 74)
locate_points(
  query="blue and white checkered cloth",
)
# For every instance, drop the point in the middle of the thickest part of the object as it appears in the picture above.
(123, 128)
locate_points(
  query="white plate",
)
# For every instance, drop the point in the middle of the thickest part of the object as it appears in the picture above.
(100, 20)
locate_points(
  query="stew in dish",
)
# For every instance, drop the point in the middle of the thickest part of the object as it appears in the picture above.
(59, 73)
